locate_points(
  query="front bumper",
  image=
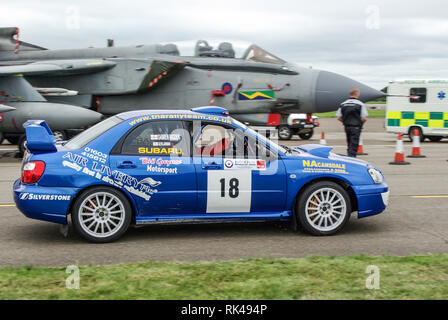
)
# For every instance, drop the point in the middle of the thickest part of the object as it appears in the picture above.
(43, 203)
(372, 199)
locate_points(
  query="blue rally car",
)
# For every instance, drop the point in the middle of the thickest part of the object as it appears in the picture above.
(195, 166)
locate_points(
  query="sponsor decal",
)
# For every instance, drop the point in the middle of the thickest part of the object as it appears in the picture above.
(180, 117)
(166, 137)
(256, 95)
(162, 151)
(144, 188)
(94, 155)
(323, 167)
(252, 164)
(160, 165)
(51, 197)
(228, 164)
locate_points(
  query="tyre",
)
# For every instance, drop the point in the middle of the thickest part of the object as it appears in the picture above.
(411, 133)
(13, 140)
(101, 214)
(307, 135)
(323, 208)
(2, 137)
(284, 132)
(21, 144)
(59, 135)
(435, 138)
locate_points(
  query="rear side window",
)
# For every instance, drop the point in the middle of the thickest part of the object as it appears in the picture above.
(158, 138)
(92, 133)
(417, 95)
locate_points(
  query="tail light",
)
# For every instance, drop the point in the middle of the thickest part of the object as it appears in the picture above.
(32, 171)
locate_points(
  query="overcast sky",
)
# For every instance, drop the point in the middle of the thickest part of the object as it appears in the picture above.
(370, 41)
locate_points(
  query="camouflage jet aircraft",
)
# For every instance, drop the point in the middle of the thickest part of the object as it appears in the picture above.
(73, 88)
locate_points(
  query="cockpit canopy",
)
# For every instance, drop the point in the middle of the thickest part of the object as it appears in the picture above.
(219, 49)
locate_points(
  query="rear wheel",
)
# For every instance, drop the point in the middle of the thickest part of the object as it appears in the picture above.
(284, 132)
(420, 133)
(323, 208)
(101, 214)
(21, 144)
(307, 135)
(435, 138)
(59, 135)
(13, 139)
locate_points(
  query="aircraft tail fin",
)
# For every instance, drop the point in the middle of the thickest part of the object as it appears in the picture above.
(16, 89)
(9, 41)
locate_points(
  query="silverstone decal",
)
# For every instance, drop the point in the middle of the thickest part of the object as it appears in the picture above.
(229, 191)
(252, 164)
(144, 188)
(160, 165)
(51, 197)
(180, 117)
(323, 167)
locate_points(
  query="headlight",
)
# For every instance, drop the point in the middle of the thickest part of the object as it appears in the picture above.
(376, 175)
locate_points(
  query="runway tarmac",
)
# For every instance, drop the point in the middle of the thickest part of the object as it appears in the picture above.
(416, 221)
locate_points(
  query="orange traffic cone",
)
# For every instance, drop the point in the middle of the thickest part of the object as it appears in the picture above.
(361, 148)
(416, 146)
(322, 139)
(399, 154)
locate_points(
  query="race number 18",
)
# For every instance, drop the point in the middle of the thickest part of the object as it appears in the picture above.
(229, 191)
(233, 187)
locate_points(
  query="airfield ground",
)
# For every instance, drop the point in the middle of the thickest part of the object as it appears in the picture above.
(415, 222)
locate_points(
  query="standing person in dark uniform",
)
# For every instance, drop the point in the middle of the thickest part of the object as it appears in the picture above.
(352, 113)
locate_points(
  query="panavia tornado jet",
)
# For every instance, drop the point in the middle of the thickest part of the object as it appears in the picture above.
(73, 88)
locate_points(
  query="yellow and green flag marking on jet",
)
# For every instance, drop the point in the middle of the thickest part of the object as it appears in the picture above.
(256, 95)
(423, 118)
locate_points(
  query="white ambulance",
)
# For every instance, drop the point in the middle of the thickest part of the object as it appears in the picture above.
(418, 104)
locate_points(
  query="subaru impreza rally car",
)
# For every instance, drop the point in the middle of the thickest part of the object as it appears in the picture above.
(149, 167)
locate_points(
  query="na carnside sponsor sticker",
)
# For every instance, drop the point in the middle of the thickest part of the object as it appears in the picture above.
(323, 167)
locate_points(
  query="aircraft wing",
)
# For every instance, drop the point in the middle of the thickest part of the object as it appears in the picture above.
(58, 67)
(159, 71)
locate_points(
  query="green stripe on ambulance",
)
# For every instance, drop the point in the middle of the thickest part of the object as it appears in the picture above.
(423, 118)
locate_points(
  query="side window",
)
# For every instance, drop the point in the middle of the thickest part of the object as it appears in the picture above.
(417, 95)
(158, 138)
(212, 140)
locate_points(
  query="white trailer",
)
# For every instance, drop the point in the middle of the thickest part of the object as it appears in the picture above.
(418, 104)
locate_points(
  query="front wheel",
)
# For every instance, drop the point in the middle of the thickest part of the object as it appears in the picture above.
(284, 132)
(323, 208)
(101, 214)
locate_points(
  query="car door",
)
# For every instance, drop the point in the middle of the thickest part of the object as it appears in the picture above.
(236, 173)
(153, 162)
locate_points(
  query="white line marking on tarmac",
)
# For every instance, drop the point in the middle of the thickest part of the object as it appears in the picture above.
(435, 196)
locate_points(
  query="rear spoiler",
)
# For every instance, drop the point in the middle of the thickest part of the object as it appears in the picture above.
(39, 137)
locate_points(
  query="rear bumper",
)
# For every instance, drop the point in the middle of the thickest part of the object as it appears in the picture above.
(372, 199)
(43, 203)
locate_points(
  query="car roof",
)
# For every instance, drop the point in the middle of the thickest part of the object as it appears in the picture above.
(140, 113)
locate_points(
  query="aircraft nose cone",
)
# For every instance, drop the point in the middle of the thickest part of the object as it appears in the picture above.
(332, 89)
